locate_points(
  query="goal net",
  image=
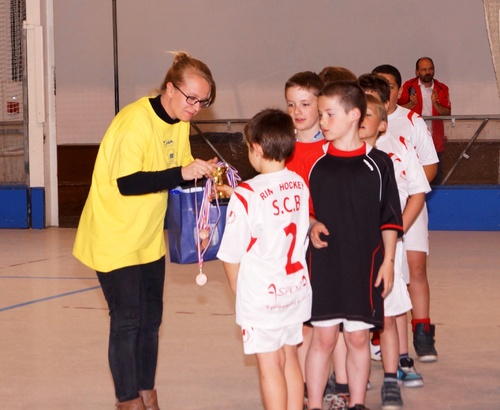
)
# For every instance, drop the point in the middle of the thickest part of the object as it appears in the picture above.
(12, 14)
(12, 138)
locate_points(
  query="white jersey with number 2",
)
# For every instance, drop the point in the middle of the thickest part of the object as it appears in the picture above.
(266, 233)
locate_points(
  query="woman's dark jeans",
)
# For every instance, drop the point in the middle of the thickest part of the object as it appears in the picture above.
(135, 300)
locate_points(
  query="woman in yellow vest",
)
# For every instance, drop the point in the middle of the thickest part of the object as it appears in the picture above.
(144, 153)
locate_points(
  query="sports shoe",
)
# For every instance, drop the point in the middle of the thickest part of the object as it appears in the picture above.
(423, 341)
(407, 375)
(330, 386)
(358, 407)
(339, 401)
(327, 394)
(375, 352)
(391, 396)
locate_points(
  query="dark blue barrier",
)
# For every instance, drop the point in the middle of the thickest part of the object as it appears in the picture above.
(14, 206)
(464, 208)
(37, 208)
(15, 201)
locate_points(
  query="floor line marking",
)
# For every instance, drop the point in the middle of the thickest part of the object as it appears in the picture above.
(33, 261)
(31, 302)
(47, 277)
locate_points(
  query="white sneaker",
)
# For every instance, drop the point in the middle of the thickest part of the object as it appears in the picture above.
(376, 354)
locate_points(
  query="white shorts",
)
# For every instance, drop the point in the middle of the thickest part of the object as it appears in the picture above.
(402, 260)
(398, 301)
(257, 340)
(417, 237)
(349, 325)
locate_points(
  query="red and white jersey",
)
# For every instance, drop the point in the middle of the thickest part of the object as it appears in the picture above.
(266, 233)
(411, 180)
(410, 175)
(303, 150)
(411, 126)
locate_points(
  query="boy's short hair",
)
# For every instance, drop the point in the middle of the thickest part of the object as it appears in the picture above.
(389, 69)
(307, 80)
(349, 94)
(330, 74)
(274, 131)
(376, 84)
(375, 103)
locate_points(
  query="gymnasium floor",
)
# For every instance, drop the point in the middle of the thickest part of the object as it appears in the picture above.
(54, 329)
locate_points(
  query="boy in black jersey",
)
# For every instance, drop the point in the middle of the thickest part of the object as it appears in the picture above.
(355, 222)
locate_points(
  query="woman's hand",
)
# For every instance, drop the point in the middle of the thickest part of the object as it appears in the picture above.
(198, 169)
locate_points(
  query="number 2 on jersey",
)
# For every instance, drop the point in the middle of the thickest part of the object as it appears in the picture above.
(292, 267)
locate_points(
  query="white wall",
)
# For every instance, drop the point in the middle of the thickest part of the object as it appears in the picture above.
(254, 46)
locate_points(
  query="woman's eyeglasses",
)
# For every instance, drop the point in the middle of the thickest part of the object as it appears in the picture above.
(193, 100)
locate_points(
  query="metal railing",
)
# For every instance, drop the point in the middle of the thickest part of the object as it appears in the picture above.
(452, 118)
(464, 154)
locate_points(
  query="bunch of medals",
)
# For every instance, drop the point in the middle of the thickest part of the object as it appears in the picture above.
(224, 174)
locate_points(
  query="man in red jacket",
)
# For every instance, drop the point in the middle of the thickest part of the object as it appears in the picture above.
(428, 96)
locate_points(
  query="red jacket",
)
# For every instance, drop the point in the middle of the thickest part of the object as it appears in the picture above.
(443, 98)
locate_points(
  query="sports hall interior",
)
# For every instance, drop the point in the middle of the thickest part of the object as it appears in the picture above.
(91, 58)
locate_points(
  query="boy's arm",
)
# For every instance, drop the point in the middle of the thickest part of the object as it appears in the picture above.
(412, 209)
(431, 171)
(424, 147)
(225, 189)
(386, 271)
(231, 270)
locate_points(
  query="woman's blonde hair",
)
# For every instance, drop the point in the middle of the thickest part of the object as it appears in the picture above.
(183, 65)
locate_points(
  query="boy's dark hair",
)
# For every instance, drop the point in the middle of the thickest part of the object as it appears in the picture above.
(307, 80)
(389, 69)
(274, 131)
(376, 84)
(350, 96)
(331, 74)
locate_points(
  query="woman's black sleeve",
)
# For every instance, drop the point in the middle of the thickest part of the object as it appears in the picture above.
(148, 182)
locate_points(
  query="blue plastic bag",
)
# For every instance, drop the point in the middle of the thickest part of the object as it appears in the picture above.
(181, 226)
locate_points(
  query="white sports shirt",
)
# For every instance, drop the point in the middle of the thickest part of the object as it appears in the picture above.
(411, 180)
(410, 175)
(266, 233)
(410, 125)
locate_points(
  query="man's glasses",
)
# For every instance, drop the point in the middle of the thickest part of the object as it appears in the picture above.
(193, 100)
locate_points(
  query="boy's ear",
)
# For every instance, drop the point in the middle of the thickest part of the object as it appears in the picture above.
(355, 114)
(257, 149)
(382, 127)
